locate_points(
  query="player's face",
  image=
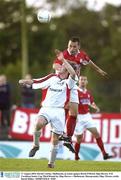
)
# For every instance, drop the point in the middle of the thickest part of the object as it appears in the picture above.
(63, 72)
(83, 81)
(73, 47)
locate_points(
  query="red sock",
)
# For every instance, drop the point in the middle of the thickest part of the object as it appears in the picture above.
(70, 125)
(66, 114)
(77, 147)
(101, 145)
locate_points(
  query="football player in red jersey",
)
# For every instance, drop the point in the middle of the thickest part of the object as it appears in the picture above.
(84, 119)
(78, 57)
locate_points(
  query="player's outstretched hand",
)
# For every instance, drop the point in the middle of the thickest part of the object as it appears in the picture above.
(97, 110)
(103, 73)
(24, 82)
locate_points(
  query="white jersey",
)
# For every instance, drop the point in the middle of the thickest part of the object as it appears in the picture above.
(57, 90)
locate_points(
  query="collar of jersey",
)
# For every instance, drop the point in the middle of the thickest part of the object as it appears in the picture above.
(83, 90)
(58, 75)
(71, 54)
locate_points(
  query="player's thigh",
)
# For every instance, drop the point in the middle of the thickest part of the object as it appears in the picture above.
(94, 131)
(89, 122)
(80, 126)
(58, 120)
(40, 122)
(74, 101)
(73, 109)
(42, 117)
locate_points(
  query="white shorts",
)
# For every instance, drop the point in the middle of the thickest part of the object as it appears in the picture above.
(74, 96)
(84, 121)
(54, 116)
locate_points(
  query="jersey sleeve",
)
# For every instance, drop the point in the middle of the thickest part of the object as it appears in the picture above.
(85, 59)
(91, 99)
(42, 83)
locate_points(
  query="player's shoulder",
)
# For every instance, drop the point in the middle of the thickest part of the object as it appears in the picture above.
(83, 55)
(89, 92)
(65, 52)
(80, 91)
(82, 52)
(51, 75)
(86, 91)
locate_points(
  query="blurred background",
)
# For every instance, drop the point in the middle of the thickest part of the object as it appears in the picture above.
(27, 46)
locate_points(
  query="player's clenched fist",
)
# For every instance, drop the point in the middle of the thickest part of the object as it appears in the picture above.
(25, 82)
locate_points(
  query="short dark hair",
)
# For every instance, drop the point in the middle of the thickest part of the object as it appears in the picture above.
(75, 39)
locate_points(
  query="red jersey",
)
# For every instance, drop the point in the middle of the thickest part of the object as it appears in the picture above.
(80, 58)
(85, 100)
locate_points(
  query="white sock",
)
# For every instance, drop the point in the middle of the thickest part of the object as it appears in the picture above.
(53, 153)
(36, 137)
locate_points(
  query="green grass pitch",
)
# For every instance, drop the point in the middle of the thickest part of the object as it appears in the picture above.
(61, 165)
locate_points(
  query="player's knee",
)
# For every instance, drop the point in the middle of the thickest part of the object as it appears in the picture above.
(79, 138)
(73, 111)
(40, 123)
(96, 134)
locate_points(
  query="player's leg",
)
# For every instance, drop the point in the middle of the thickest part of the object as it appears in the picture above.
(100, 143)
(54, 150)
(40, 123)
(71, 119)
(70, 126)
(79, 129)
(57, 124)
(72, 115)
(77, 145)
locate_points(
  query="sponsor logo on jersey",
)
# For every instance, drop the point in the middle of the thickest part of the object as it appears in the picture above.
(56, 90)
(85, 101)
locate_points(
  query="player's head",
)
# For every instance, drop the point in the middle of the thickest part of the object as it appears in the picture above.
(28, 76)
(3, 79)
(63, 72)
(74, 45)
(83, 81)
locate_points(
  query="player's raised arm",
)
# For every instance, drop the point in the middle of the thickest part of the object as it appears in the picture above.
(99, 70)
(69, 68)
(25, 82)
(57, 66)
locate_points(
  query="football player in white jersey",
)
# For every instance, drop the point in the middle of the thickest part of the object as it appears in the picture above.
(57, 94)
